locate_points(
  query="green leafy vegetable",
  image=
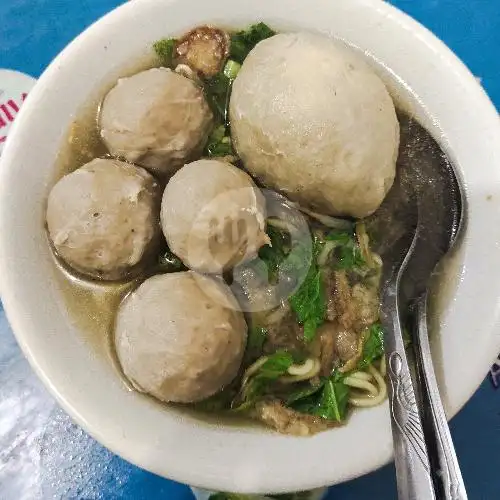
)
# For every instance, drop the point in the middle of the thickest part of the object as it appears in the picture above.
(164, 49)
(219, 143)
(334, 400)
(256, 338)
(218, 92)
(328, 400)
(272, 367)
(274, 254)
(347, 252)
(373, 347)
(231, 69)
(244, 41)
(275, 366)
(309, 303)
(218, 88)
(302, 393)
(341, 237)
(169, 262)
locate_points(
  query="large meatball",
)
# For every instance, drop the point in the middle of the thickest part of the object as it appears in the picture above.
(102, 218)
(157, 119)
(311, 119)
(213, 215)
(180, 337)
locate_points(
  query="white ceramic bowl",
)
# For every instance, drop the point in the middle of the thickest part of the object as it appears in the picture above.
(441, 92)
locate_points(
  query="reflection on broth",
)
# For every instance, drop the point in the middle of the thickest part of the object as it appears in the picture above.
(291, 337)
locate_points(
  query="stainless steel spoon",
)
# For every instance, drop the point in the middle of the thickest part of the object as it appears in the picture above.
(415, 225)
(413, 465)
(393, 230)
(440, 216)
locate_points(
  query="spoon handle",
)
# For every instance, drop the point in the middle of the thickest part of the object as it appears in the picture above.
(410, 451)
(449, 470)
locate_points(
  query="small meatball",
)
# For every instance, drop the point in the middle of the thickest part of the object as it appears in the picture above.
(213, 216)
(313, 120)
(203, 49)
(157, 119)
(180, 337)
(102, 218)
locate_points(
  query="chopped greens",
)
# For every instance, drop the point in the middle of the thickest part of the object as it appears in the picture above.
(347, 252)
(275, 253)
(271, 368)
(302, 392)
(218, 88)
(329, 400)
(219, 144)
(244, 41)
(164, 49)
(218, 92)
(169, 262)
(373, 347)
(309, 302)
(256, 338)
(334, 399)
(275, 365)
(231, 69)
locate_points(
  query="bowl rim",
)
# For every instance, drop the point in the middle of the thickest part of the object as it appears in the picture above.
(14, 308)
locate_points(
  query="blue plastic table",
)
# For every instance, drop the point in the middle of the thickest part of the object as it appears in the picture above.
(43, 455)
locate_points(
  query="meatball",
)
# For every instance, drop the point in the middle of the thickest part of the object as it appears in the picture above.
(180, 337)
(102, 218)
(157, 119)
(213, 216)
(312, 120)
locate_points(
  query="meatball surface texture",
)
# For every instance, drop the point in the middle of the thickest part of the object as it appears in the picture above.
(157, 119)
(180, 337)
(103, 218)
(213, 216)
(311, 119)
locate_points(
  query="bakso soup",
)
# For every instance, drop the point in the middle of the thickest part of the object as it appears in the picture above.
(251, 288)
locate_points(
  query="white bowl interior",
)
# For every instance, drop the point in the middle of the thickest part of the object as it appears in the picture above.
(167, 442)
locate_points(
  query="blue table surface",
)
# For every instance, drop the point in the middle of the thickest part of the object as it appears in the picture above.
(44, 455)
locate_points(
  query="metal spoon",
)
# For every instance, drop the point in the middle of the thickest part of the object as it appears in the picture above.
(440, 214)
(393, 230)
